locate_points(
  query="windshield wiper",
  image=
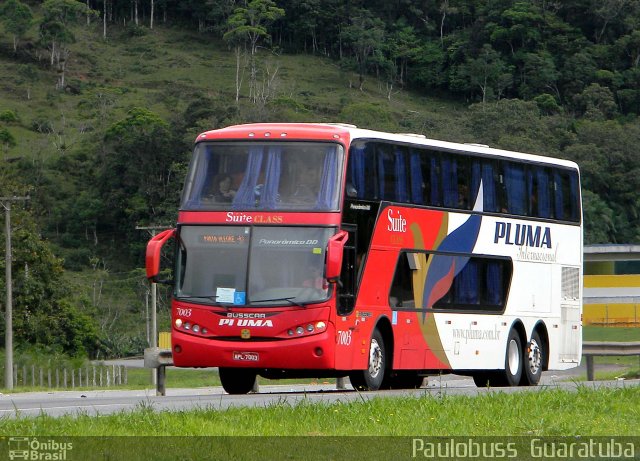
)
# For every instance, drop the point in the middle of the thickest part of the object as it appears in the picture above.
(289, 299)
(211, 297)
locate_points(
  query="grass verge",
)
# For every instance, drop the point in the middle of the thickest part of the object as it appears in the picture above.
(585, 412)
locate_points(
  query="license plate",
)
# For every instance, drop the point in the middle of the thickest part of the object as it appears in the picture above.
(246, 356)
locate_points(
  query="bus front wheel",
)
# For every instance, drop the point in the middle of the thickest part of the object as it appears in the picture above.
(237, 380)
(372, 378)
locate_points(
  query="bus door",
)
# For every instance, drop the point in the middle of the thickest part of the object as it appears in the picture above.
(348, 276)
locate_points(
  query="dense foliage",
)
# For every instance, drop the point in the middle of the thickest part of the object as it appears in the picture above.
(550, 77)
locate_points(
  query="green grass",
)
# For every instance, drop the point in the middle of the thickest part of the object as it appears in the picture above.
(544, 413)
(177, 378)
(597, 333)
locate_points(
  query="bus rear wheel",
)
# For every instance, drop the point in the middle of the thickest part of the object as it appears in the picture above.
(372, 378)
(533, 359)
(237, 380)
(513, 362)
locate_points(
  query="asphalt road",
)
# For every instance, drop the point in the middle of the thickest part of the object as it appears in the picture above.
(100, 402)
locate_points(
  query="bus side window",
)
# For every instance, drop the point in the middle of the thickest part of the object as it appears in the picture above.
(464, 180)
(418, 172)
(449, 170)
(402, 293)
(540, 192)
(487, 172)
(515, 186)
(385, 173)
(480, 285)
(565, 185)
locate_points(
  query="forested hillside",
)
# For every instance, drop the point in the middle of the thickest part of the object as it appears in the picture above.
(100, 101)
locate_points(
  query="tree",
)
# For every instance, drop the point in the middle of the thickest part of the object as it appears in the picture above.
(487, 72)
(518, 26)
(135, 174)
(7, 140)
(56, 33)
(608, 11)
(17, 18)
(28, 74)
(403, 47)
(513, 124)
(607, 154)
(365, 34)
(599, 224)
(43, 313)
(251, 23)
(539, 74)
(596, 103)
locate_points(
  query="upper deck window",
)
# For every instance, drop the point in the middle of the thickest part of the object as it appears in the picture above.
(380, 170)
(296, 176)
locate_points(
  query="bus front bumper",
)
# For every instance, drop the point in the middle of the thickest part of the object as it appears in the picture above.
(314, 352)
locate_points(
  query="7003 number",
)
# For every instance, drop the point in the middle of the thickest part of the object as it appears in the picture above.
(183, 312)
(344, 338)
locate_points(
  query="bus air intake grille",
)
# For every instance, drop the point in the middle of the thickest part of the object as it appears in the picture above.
(570, 283)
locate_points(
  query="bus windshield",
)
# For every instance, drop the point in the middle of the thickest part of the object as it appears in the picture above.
(296, 176)
(252, 266)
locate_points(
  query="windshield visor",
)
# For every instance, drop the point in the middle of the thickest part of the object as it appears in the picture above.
(297, 176)
(252, 266)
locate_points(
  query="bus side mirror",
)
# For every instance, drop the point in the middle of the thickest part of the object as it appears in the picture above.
(335, 250)
(154, 247)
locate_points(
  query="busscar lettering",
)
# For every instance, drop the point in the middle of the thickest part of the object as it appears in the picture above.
(522, 235)
(245, 323)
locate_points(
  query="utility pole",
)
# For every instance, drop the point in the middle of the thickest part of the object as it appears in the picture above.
(154, 299)
(8, 313)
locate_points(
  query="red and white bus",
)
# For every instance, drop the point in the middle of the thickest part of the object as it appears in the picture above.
(319, 250)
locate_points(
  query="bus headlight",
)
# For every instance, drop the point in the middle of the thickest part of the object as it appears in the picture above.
(178, 323)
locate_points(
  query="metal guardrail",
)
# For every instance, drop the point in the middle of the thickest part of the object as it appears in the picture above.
(590, 349)
(160, 358)
(155, 357)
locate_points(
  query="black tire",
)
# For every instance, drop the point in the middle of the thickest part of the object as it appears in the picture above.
(533, 360)
(513, 366)
(237, 380)
(372, 378)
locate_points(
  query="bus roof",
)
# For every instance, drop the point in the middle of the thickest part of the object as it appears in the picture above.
(344, 133)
